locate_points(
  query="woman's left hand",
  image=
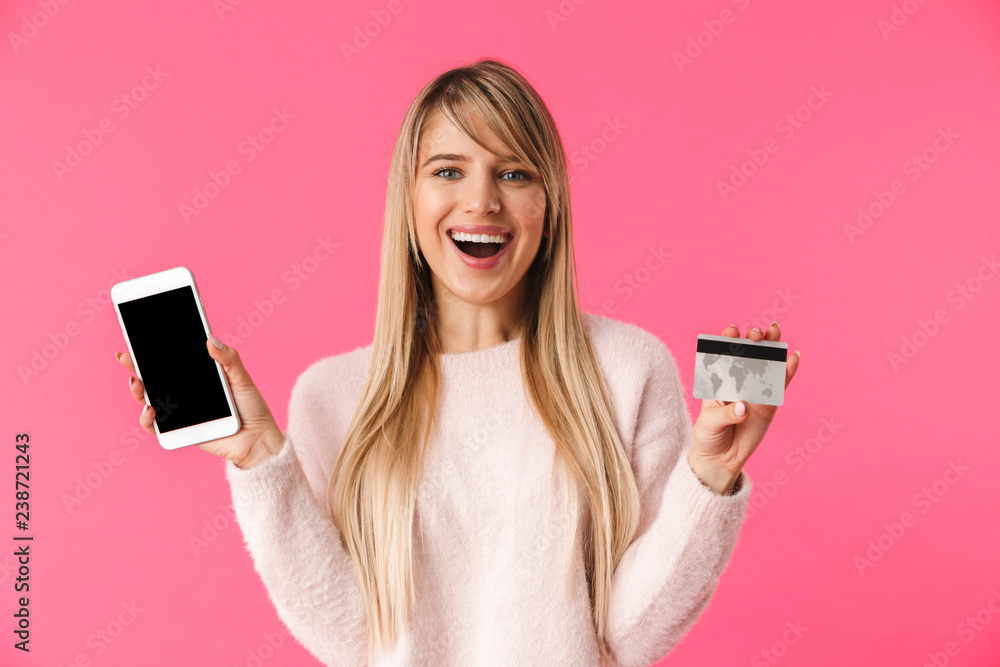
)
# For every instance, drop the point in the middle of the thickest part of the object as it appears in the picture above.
(723, 439)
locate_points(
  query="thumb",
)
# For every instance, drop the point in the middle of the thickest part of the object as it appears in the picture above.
(230, 361)
(718, 418)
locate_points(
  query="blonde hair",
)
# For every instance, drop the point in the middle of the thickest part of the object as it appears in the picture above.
(371, 495)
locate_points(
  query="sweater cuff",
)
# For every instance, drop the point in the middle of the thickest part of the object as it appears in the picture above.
(268, 478)
(687, 491)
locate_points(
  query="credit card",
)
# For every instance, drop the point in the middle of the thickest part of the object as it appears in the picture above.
(738, 369)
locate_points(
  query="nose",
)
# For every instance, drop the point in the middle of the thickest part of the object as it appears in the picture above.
(481, 195)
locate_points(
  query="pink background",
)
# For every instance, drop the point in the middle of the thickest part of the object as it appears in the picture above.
(775, 247)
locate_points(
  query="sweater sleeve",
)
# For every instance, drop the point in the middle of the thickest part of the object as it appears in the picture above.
(296, 548)
(686, 535)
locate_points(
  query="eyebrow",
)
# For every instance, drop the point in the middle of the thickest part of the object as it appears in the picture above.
(452, 157)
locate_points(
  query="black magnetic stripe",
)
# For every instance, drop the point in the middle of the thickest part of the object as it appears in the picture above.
(736, 349)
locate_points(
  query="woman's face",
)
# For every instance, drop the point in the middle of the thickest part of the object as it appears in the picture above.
(461, 185)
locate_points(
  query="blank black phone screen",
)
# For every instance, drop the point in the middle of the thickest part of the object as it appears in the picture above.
(168, 341)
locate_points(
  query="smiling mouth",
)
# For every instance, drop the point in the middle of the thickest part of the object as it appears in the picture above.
(480, 245)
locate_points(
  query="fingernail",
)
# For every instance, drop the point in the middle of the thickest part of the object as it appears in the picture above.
(797, 353)
(733, 326)
(756, 329)
(216, 342)
(741, 409)
(118, 356)
(775, 324)
(144, 409)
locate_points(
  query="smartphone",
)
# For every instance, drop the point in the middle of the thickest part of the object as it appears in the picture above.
(165, 328)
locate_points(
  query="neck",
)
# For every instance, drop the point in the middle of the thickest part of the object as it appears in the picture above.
(466, 327)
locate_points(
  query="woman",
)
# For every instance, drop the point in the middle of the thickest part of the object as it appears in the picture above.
(486, 398)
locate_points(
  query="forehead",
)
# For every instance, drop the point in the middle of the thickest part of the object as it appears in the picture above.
(440, 134)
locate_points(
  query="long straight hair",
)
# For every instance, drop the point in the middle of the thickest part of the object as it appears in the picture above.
(372, 491)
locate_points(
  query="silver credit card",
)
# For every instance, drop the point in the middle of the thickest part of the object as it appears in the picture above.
(727, 368)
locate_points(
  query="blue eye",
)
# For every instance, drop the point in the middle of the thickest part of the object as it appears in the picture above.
(444, 169)
(525, 176)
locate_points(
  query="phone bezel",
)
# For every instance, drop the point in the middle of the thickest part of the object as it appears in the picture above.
(154, 283)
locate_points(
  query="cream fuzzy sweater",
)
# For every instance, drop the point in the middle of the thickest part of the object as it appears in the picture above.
(488, 547)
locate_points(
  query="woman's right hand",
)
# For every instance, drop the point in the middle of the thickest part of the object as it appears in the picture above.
(259, 435)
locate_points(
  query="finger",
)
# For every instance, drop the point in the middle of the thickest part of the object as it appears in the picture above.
(125, 360)
(732, 331)
(231, 363)
(755, 334)
(791, 367)
(135, 388)
(146, 419)
(773, 332)
(719, 417)
(707, 404)
(792, 363)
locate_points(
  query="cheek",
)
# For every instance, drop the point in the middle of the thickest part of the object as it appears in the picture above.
(531, 211)
(430, 208)
(532, 203)
(421, 213)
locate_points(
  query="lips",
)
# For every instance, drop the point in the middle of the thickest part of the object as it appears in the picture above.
(479, 249)
(478, 246)
(472, 228)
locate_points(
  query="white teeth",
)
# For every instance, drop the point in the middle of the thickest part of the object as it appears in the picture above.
(479, 238)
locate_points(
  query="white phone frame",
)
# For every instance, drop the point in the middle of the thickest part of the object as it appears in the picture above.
(154, 283)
